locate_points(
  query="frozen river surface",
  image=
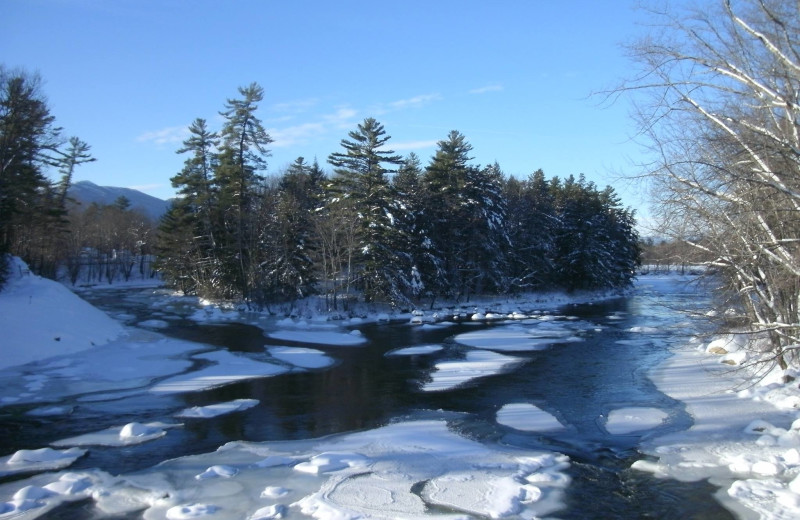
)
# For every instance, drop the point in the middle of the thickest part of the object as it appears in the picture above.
(535, 414)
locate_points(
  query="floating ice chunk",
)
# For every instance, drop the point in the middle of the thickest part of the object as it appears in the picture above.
(129, 434)
(214, 410)
(44, 459)
(229, 368)
(191, 511)
(634, 419)
(527, 417)
(477, 363)
(513, 339)
(218, 471)
(331, 338)
(301, 357)
(415, 351)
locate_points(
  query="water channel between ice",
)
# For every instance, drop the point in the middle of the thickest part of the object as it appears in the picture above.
(579, 379)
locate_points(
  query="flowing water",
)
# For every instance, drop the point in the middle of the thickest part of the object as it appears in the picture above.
(579, 383)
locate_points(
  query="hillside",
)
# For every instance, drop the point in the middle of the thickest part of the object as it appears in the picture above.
(86, 192)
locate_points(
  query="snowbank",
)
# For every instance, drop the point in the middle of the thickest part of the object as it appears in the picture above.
(746, 442)
(41, 318)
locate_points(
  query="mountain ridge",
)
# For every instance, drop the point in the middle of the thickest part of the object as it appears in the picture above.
(85, 193)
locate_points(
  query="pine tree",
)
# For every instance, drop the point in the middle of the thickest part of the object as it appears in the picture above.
(243, 153)
(361, 185)
(194, 217)
(444, 183)
(531, 222)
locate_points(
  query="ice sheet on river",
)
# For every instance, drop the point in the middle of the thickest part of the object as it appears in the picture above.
(527, 417)
(476, 363)
(321, 337)
(227, 368)
(511, 338)
(402, 470)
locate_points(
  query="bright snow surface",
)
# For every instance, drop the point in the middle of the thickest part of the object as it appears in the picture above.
(747, 442)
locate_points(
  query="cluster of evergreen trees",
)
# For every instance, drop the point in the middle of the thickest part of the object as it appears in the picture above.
(33, 209)
(380, 225)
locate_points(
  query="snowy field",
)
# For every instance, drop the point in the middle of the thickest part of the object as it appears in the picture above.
(745, 438)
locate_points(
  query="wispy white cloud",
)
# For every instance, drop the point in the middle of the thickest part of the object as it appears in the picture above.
(296, 134)
(496, 87)
(415, 101)
(341, 117)
(168, 135)
(412, 145)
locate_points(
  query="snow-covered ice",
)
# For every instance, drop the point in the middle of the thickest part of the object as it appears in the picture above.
(129, 434)
(527, 417)
(419, 350)
(227, 368)
(320, 337)
(42, 459)
(301, 357)
(633, 419)
(476, 363)
(217, 409)
(512, 338)
(396, 471)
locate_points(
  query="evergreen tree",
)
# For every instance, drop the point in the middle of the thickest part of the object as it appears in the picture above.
(194, 217)
(32, 209)
(531, 223)
(444, 187)
(361, 185)
(243, 153)
(289, 240)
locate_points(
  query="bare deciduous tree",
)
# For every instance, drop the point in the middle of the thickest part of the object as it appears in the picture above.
(722, 115)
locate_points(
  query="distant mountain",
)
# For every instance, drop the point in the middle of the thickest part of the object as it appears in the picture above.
(86, 192)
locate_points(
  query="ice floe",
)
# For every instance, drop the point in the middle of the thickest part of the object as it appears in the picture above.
(320, 337)
(217, 409)
(129, 434)
(419, 350)
(301, 357)
(42, 459)
(527, 417)
(476, 363)
(228, 368)
(634, 419)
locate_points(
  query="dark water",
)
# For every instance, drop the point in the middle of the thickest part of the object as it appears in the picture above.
(578, 382)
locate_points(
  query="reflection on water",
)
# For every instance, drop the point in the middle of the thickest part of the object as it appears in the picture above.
(577, 382)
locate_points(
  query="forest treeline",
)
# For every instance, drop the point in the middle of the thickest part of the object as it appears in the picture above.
(376, 225)
(380, 225)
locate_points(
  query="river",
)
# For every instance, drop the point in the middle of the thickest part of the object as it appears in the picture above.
(578, 382)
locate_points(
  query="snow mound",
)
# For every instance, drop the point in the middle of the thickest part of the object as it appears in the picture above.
(42, 318)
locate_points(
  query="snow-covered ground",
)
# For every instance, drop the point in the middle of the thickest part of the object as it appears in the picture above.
(745, 438)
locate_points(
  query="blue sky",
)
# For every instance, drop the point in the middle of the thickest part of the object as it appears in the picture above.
(515, 77)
